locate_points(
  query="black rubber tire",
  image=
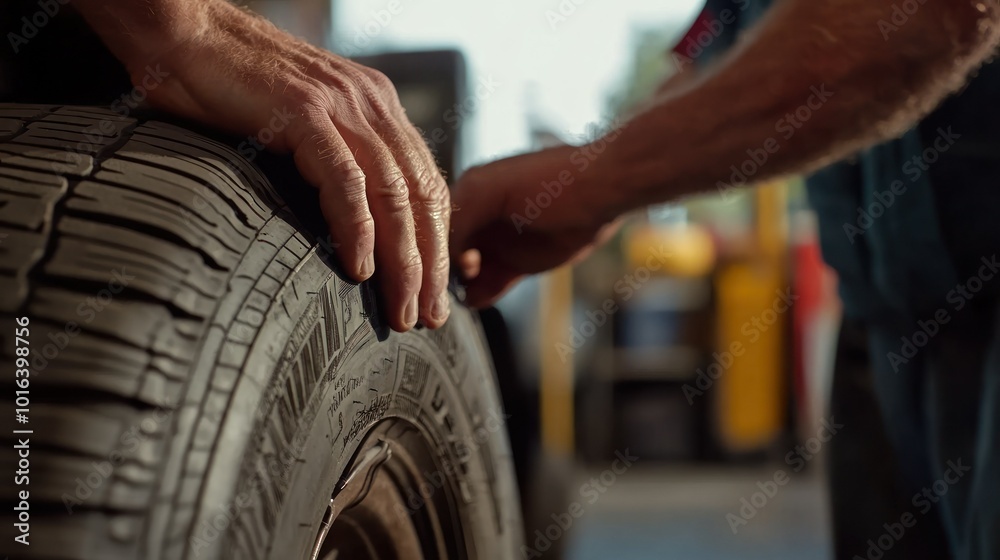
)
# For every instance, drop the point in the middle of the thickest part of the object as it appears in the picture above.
(200, 374)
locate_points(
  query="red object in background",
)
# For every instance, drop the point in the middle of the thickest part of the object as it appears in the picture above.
(702, 23)
(810, 275)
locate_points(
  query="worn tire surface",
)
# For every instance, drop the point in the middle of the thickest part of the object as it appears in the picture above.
(200, 376)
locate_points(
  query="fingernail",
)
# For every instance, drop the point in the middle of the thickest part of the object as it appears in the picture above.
(368, 266)
(441, 307)
(410, 314)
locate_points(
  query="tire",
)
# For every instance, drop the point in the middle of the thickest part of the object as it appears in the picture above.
(202, 381)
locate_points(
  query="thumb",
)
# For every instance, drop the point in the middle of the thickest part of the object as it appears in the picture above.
(476, 202)
(489, 192)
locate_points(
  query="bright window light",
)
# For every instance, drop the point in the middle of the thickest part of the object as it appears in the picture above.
(558, 59)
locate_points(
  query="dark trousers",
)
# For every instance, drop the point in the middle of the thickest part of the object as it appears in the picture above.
(866, 491)
(921, 441)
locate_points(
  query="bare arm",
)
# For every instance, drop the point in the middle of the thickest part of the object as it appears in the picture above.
(860, 82)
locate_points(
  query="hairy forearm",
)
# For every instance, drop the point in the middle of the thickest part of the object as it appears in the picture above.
(138, 32)
(814, 82)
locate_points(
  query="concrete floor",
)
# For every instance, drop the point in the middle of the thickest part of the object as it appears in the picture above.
(660, 513)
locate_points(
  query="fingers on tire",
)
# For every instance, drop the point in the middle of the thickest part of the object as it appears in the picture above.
(325, 160)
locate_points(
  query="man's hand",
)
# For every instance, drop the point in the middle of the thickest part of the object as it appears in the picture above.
(379, 187)
(525, 215)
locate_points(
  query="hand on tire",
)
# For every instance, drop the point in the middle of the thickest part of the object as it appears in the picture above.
(383, 197)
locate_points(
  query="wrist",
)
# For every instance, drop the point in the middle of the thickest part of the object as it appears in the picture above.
(611, 182)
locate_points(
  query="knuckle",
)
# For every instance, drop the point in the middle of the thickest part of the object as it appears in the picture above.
(381, 82)
(348, 173)
(358, 82)
(379, 93)
(438, 187)
(307, 97)
(378, 85)
(439, 212)
(433, 194)
(347, 176)
(428, 177)
(383, 113)
(394, 192)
